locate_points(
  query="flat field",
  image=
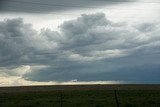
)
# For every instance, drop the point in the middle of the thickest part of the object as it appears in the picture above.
(81, 96)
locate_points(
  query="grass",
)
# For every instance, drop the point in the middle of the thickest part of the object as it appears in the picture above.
(143, 98)
(81, 98)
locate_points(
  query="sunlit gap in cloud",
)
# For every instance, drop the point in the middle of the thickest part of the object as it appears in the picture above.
(134, 12)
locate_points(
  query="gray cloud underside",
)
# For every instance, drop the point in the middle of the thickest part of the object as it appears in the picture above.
(32, 6)
(88, 48)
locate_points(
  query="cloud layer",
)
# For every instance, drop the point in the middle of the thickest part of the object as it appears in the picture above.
(40, 6)
(89, 48)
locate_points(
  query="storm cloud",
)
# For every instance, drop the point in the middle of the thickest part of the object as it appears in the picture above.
(40, 6)
(89, 48)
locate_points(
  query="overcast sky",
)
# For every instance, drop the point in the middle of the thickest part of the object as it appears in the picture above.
(79, 42)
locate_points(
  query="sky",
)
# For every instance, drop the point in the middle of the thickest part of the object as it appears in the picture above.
(79, 42)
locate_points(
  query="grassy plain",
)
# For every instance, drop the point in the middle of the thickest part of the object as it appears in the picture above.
(81, 96)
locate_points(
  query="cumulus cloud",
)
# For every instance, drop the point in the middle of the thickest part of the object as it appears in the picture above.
(19, 42)
(89, 48)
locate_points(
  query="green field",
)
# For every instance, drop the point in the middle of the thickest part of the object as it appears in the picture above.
(81, 98)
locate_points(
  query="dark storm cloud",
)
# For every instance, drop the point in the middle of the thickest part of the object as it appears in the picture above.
(132, 74)
(41, 6)
(136, 68)
(89, 48)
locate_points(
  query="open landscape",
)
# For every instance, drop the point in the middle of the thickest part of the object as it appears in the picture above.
(79, 53)
(81, 96)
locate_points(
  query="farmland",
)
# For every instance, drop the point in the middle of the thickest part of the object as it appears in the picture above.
(81, 96)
